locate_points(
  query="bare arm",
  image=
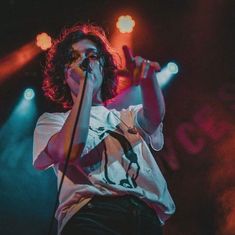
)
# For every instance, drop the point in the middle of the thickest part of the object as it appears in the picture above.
(153, 103)
(59, 144)
(57, 147)
(130, 96)
(143, 73)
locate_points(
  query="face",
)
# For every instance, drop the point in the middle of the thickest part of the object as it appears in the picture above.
(74, 74)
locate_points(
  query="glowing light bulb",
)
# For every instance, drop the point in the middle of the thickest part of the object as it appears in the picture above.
(172, 67)
(125, 24)
(29, 94)
(43, 40)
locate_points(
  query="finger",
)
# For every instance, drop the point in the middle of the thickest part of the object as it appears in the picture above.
(91, 77)
(75, 72)
(138, 61)
(128, 55)
(145, 69)
(156, 66)
(94, 64)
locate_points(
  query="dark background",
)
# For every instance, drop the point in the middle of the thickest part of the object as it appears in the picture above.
(198, 159)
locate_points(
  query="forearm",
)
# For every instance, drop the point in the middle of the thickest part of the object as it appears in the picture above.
(58, 146)
(153, 104)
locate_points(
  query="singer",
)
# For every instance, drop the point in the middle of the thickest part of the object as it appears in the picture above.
(112, 184)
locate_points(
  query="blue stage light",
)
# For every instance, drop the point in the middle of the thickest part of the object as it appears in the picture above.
(29, 94)
(172, 67)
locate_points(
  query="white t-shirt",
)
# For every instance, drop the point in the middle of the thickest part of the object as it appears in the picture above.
(102, 169)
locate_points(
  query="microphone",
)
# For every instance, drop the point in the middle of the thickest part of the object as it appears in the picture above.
(85, 65)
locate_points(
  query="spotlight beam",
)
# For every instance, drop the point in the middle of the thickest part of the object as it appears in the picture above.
(13, 62)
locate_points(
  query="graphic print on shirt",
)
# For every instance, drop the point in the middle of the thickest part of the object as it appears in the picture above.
(99, 158)
(130, 180)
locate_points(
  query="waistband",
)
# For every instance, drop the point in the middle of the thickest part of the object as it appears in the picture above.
(127, 201)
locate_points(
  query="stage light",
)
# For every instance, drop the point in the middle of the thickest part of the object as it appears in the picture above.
(43, 40)
(167, 73)
(173, 67)
(16, 132)
(125, 24)
(16, 60)
(29, 94)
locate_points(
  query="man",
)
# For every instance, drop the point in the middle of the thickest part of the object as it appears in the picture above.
(112, 184)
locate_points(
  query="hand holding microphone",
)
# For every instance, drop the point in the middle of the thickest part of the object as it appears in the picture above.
(77, 71)
(85, 65)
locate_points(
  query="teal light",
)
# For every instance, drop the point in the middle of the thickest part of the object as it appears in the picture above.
(29, 94)
(167, 73)
(172, 67)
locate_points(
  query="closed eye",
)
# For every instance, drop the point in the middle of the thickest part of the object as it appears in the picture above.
(92, 55)
(75, 55)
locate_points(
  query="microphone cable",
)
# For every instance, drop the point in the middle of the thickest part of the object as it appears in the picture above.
(86, 67)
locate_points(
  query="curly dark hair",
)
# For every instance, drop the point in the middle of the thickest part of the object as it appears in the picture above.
(60, 54)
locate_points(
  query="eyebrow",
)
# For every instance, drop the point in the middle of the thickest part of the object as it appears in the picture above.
(91, 50)
(86, 51)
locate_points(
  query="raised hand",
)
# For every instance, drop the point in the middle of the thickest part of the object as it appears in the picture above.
(139, 68)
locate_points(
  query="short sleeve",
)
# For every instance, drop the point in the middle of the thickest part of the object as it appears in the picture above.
(156, 139)
(47, 125)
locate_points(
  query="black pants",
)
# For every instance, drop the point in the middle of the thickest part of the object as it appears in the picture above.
(125, 215)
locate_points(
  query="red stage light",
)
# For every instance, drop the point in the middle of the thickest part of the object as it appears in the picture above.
(13, 62)
(43, 40)
(125, 24)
